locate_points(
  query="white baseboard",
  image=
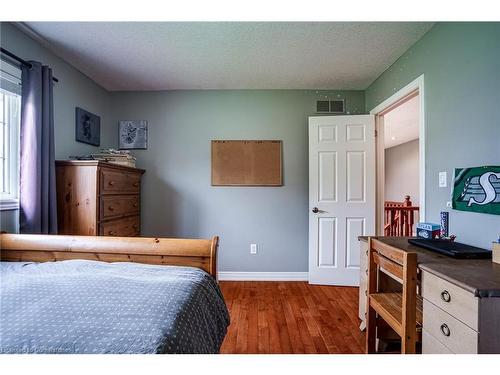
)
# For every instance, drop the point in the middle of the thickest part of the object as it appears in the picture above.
(263, 276)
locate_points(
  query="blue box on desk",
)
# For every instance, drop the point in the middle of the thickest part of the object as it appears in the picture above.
(428, 230)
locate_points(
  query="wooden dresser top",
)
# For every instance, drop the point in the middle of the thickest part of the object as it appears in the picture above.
(98, 163)
(479, 276)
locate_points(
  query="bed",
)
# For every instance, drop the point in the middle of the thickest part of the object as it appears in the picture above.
(79, 294)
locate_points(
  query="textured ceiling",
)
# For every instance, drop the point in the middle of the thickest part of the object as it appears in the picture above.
(230, 55)
(401, 125)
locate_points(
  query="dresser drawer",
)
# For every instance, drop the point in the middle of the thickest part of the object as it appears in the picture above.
(450, 332)
(454, 300)
(119, 205)
(115, 182)
(430, 345)
(126, 227)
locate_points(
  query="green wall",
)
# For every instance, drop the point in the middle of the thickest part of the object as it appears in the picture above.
(178, 199)
(461, 67)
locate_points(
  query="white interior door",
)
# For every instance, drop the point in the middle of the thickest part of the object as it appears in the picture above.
(341, 195)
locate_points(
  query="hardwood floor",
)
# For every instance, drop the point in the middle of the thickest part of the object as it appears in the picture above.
(291, 317)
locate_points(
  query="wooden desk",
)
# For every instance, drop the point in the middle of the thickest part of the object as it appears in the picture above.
(461, 300)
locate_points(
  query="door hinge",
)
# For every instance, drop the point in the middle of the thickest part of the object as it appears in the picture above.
(376, 133)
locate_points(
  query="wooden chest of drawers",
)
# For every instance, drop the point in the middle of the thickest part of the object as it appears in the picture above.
(95, 198)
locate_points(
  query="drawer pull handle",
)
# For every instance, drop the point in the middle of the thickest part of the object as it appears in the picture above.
(111, 208)
(445, 296)
(135, 205)
(111, 233)
(445, 330)
(111, 183)
(136, 184)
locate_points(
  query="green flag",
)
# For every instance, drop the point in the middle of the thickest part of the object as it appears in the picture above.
(477, 190)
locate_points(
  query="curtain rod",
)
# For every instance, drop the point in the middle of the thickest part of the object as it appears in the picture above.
(20, 61)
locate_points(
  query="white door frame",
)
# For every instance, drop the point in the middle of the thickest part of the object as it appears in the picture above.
(416, 86)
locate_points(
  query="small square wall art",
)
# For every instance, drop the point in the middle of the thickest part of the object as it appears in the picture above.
(87, 127)
(133, 134)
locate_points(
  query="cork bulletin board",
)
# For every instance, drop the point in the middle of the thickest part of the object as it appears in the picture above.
(246, 163)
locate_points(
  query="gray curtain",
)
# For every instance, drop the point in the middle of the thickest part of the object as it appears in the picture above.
(37, 195)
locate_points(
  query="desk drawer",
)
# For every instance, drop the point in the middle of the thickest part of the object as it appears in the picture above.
(450, 332)
(116, 182)
(119, 205)
(456, 301)
(430, 345)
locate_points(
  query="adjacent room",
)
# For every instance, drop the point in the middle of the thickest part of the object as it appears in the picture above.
(250, 187)
(402, 167)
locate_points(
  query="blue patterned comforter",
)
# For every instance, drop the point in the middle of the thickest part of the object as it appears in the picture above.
(80, 306)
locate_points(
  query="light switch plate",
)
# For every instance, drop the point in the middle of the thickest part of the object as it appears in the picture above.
(443, 179)
(253, 248)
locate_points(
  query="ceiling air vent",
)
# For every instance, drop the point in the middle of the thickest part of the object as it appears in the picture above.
(330, 106)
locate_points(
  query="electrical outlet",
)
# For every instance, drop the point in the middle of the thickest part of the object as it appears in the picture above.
(443, 179)
(253, 248)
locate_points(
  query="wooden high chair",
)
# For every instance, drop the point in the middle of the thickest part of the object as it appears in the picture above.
(402, 311)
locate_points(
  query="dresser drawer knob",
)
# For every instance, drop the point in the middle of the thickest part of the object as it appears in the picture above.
(111, 183)
(135, 204)
(445, 296)
(111, 208)
(136, 184)
(445, 330)
(111, 233)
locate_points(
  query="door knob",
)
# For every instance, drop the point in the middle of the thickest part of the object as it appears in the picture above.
(315, 210)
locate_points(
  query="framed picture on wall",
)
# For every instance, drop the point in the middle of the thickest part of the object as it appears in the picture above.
(133, 134)
(87, 127)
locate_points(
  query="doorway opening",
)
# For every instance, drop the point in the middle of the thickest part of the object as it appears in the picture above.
(400, 161)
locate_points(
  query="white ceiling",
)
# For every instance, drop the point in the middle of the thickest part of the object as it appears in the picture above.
(230, 55)
(401, 125)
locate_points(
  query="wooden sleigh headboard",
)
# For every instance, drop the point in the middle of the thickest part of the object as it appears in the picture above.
(167, 251)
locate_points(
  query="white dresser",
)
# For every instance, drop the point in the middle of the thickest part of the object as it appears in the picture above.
(456, 321)
(461, 301)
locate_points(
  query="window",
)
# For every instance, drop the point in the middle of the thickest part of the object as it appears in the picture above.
(10, 117)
